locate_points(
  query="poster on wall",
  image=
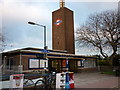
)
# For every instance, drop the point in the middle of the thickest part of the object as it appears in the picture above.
(79, 63)
(63, 63)
(16, 81)
(33, 63)
(43, 63)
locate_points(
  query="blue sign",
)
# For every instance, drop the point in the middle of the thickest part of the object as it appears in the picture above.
(45, 51)
(67, 64)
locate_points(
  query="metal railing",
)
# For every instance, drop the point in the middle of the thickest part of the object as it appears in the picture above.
(47, 83)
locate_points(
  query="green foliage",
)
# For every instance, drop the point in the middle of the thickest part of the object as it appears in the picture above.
(103, 62)
(108, 72)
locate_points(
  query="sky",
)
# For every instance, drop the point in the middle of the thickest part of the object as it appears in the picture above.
(15, 14)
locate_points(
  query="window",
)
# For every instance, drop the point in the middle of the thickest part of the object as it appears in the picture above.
(33, 63)
(10, 63)
(80, 63)
(43, 63)
(38, 63)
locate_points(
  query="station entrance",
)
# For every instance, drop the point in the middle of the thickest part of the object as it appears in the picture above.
(60, 65)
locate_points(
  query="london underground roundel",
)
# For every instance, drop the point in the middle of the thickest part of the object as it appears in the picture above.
(58, 22)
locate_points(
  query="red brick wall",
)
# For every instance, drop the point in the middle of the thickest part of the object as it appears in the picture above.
(63, 35)
(24, 58)
(25, 62)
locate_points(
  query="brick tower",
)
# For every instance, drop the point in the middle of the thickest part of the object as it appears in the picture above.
(63, 29)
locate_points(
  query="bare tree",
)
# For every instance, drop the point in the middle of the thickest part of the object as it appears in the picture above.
(2, 42)
(102, 32)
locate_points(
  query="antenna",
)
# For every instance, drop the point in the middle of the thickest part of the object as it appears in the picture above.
(62, 3)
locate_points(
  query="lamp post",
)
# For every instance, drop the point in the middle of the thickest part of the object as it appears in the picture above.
(32, 23)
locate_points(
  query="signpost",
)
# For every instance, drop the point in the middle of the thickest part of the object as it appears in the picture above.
(45, 53)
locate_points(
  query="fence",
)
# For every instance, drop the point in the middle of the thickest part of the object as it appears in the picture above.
(11, 69)
(44, 82)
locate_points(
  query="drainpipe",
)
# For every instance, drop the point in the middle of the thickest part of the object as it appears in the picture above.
(20, 67)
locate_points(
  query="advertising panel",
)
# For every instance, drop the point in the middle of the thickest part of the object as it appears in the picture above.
(16, 81)
(33, 63)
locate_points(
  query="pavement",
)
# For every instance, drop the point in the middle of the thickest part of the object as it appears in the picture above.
(96, 80)
(89, 80)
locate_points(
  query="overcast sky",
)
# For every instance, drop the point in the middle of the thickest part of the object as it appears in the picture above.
(15, 14)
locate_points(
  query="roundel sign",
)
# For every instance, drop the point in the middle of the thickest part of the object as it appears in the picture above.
(58, 22)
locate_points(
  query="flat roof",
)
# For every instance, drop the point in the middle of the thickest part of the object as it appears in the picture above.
(50, 53)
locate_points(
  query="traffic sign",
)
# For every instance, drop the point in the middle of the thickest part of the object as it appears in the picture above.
(45, 51)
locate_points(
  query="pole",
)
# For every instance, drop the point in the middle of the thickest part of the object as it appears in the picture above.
(32, 23)
(20, 67)
(45, 38)
(67, 65)
(20, 59)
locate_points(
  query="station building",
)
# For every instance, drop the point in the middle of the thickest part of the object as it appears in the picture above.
(62, 56)
(33, 59)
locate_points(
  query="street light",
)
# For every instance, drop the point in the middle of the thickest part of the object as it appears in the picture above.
(32, 23)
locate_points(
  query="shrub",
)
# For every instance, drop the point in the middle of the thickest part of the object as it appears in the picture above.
(103, 62)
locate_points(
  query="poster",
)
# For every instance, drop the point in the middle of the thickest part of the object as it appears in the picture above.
(43, 63)
(33, 63)
(16, 81)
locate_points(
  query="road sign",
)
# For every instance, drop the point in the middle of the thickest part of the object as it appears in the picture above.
(45, 51)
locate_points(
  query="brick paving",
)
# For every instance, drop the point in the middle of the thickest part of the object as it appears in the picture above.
(96, 80)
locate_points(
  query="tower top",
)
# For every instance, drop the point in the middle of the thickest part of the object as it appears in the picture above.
(62, 3)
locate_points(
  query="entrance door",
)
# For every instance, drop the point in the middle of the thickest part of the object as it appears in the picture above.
(55, 65)
(72, 65)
